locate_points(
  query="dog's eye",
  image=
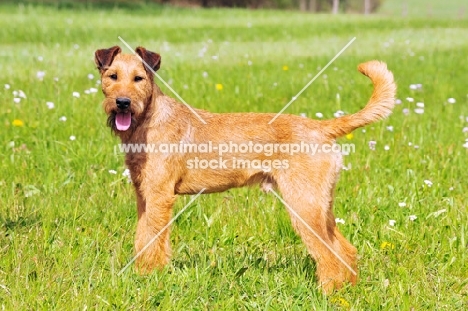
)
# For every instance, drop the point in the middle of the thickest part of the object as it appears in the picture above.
(138, 78)
(113, 76)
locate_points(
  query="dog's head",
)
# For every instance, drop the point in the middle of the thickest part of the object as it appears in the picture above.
(127, 82)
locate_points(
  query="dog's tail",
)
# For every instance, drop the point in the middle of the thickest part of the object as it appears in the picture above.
(379, 106)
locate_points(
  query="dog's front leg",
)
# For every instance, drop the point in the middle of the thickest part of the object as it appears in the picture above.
(152, 244)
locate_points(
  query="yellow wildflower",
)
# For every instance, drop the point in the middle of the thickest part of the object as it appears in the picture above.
(341, 302)
(285, 68)
(386, 245)
(17, 122)
(219, 87)
(350, 136)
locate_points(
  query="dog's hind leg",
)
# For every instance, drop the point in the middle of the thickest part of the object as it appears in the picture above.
(307, 188)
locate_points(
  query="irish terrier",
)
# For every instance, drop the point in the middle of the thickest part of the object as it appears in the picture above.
(139, 113)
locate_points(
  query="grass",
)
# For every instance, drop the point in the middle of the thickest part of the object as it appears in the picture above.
(67, 224)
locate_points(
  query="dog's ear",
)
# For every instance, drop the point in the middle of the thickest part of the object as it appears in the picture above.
(105, 57)
(151, 59)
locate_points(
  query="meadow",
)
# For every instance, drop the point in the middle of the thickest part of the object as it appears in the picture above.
(67, 212)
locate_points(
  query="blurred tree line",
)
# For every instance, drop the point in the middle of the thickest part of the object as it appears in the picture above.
(333, 6)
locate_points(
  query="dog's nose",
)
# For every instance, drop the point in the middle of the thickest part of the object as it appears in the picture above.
(123, 102)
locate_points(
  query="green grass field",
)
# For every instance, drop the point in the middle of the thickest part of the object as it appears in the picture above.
(67, 222)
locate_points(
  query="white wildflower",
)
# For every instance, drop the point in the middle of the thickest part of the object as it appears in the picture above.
(126, 173)
(339, 221)
(338, 114)
(40, 75)
(417, 86)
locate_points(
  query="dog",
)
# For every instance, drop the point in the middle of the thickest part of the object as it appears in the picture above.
(139, 113)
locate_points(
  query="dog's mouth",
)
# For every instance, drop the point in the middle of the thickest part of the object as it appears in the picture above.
(123, 120)
(120, 120)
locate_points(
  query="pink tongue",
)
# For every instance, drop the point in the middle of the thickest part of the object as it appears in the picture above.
(123, 121)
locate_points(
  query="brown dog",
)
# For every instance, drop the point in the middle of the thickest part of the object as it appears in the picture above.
(139, 113)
